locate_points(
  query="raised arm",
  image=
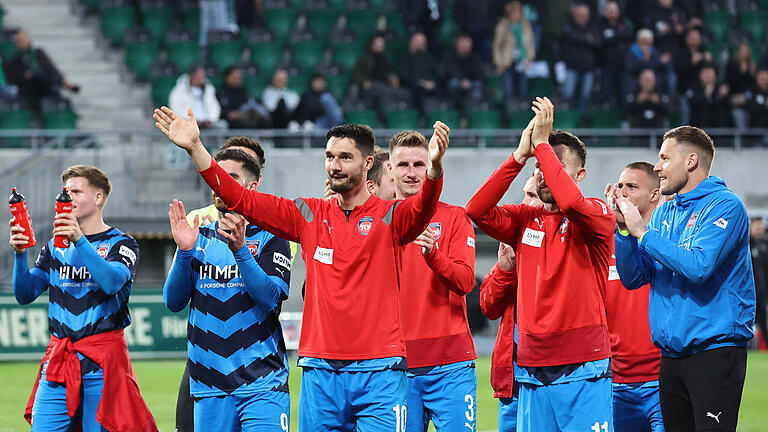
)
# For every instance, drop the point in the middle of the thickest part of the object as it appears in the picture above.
(499, 285)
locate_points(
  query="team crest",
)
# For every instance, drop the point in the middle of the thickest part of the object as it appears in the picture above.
(253, 246)
(102, 249)
(436, 228)
(564, 226)
(364, 225)
(692, 220)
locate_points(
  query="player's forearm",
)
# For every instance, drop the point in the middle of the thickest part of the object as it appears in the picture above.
(200, 156)
(177, 289)
(459, 275)
(435, 170)
(563, 187)
(264, 291)
(482, 207)
(26, 287)
(412, 215)
(109, 276)
(494, 291)
(633, 271)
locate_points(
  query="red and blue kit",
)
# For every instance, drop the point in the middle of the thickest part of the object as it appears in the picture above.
(432, 290)
(351, 306)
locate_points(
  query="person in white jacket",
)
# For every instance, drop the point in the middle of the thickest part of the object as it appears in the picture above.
(194, 90)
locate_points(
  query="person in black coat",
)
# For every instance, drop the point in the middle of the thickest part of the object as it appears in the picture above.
(579, 46)
(617, 33)
(757, 100)
(318, 106)
(648, 108)
(463, 71)
(709, 102)
(237, 108)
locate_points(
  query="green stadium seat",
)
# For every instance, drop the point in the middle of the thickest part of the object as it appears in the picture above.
(396, 25)
(322, 21)
(364, 117)
(518, 120)
(338, 85)
(494, 88)
(17, 119)
(307, 54)
(395, 49)
(280, 22)
(115, 21)
(60, 120)
(161, 89)
(449, 117)
(345, 55)
(754, 23)
(183, 54)
(403, 119)
(267, 55)
(299, 83)
(568, 119)
(7, 46)
(540, 87)
(190, 17)
(91, 6)
(158, 20)
(447, 32)
(225, 53)
(490, 119)
(718, 23)
(607, 119)
(140, 56)
(363, 22)
(255, 84)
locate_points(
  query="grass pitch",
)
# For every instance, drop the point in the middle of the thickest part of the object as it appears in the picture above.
(159, 383)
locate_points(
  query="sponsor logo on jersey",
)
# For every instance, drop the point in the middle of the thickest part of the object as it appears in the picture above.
(722, 223)
(253, 246)
(102, 249)
(470, 241)
(324, 255)
(692, 220)
(613, 274)
(74, 273)
(128, 253)
(533, 237)
(436, 228)
(281, 260)
(210, 271)
(364, 225)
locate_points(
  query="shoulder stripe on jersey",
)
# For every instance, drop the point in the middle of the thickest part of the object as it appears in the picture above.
(304, 209)
(243, 375)
(391, 213)
(223, 310)
(258, 332)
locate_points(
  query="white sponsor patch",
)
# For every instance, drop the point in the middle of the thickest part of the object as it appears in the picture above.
(605, 209)
(470, 242)
(533, 237)
(722, 223)
(281, 260)
(128, 253)
(324, 255)
(613, 274)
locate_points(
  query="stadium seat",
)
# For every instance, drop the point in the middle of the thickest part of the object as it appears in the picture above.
(494, 88)
(115, 21)
(405, 119)
(91, 6)
(267, 55)
(718, 23)
(540, 87)
(345, 55)
(754, 23)
(447, 32)
(161, 89)
(183, 54)
(365, 117)
(307, 54)
(490, 119)
(224, 49)
(299, 83)
(280, 22)
(518, 120)
(568, 119)
(338, 85)
(607, 119)
(7, 45)
(60, 120)
(190, 18)
(363, 22)
(255, 84)
(449, 117)
(396, 25)
(322, 21)
(16, 119)
(140, 56)
(158, 19)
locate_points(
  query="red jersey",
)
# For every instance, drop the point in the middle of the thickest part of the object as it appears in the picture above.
(351, 304)
(562, 263)
(635, 358)
(498, 294)
(432, 291)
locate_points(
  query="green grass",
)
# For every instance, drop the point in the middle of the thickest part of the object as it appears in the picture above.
(159, 383)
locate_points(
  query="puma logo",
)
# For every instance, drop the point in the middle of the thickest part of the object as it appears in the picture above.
(716, 417)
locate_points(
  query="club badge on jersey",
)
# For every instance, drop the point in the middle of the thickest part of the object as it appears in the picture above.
(436, 228)
(365, 224)
(692, 220)
(102, 249)
(253, 246)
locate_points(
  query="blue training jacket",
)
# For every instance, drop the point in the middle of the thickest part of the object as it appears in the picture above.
(697, 259)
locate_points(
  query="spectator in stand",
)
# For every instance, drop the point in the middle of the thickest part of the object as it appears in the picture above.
(423, 16)
(194, 90)
(616, 32)
(648, 108)
(237, 108)
(372, 73)
(692, 56)
(8, 92)
(759, 247)
(250, 13)
(280, 100)
(757, 100)
(215, 15)
(33, 72)
(711, 101)
(643, 55)
(418, 69)
(476, 19)
(579, 45)
(318, 108)
(463, 70)
(740, 77)
(514, 50)
(668, 23)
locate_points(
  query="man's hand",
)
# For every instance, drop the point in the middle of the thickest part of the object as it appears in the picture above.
(426, 240)
(611, 194)
(545, 118)
(328, 193)
(632, 218)
(65, 224)
(525, 148)
(507, 258)
(183, 133)
(437, 146)
(18, 239)
(184, 235)
(232, 227)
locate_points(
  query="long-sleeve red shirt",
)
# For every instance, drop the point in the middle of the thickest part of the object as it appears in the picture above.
(432, 291)
(562, 263)
(498, 294)
(351, 305)
(634, 357)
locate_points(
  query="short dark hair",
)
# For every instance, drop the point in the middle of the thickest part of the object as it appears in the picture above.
(195, 67)
(95, 176)
(362, 136)
(230, 69)
(696, 138)
(408, 138)
(246, 142)
(378, 168)
(647, 168)
(250, 164)
(577, 147)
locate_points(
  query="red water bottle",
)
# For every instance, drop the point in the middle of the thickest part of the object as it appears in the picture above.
(63, 205)
(21, 216)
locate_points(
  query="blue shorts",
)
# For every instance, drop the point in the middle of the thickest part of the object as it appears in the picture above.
(636, 407)
(263, 411)
(575, 406)
(352, 401)
(49, 411)
(446, 395)
(508, 414)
